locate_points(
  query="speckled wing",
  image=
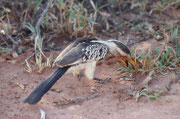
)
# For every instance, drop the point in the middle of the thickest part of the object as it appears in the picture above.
(81, 53)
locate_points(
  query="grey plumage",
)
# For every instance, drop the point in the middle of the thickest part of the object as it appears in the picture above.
(82, 52)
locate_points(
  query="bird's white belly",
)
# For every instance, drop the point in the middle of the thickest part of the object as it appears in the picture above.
(89, 68)
(75, 70)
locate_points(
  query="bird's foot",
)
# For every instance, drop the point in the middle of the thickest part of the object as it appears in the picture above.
(102, 80)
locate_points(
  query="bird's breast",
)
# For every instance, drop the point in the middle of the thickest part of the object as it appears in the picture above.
(94, 52)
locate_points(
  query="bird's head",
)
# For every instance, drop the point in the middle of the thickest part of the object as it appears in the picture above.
(122, 52)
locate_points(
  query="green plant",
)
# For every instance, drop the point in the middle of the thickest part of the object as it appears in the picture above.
(174, 36)
(4, 50)
(163, 5)
(158, 59)
(142, 4)
(151, 94)
(38, 51)
(74, 19)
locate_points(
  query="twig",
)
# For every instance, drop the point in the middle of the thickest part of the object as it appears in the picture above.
(43, 114)
(4, 41)
(139, 88)
(94, 7)
(28, 58)
(9, 36)
(76, 101)
(39, 18)
(171, 4)
(45, 49)
(146, 81)
(20, 85)
(41, 13)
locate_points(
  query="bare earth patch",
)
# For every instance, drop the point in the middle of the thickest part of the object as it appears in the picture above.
(112, 101)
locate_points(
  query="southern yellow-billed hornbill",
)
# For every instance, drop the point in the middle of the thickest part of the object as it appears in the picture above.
(82, 54)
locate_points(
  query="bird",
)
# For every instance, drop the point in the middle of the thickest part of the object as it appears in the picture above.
(82, 54)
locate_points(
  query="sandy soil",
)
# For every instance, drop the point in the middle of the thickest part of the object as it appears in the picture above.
(112, 101)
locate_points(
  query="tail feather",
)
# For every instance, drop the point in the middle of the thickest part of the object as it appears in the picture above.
(39, 91)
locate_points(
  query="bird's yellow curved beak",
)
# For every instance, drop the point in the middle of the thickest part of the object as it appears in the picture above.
(131, 60)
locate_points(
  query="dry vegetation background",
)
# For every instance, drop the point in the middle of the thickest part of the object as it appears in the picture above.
(45, 24)
(40, 28)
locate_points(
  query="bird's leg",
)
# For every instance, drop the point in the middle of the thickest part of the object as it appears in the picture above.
(80, 75)
(102, 80)
(77, 71)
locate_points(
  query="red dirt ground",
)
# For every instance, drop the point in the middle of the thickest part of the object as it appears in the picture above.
(113, 100)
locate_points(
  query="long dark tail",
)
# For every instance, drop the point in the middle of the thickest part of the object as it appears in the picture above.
(39, 91)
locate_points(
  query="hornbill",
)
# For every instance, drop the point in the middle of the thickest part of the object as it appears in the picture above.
(82, 54)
